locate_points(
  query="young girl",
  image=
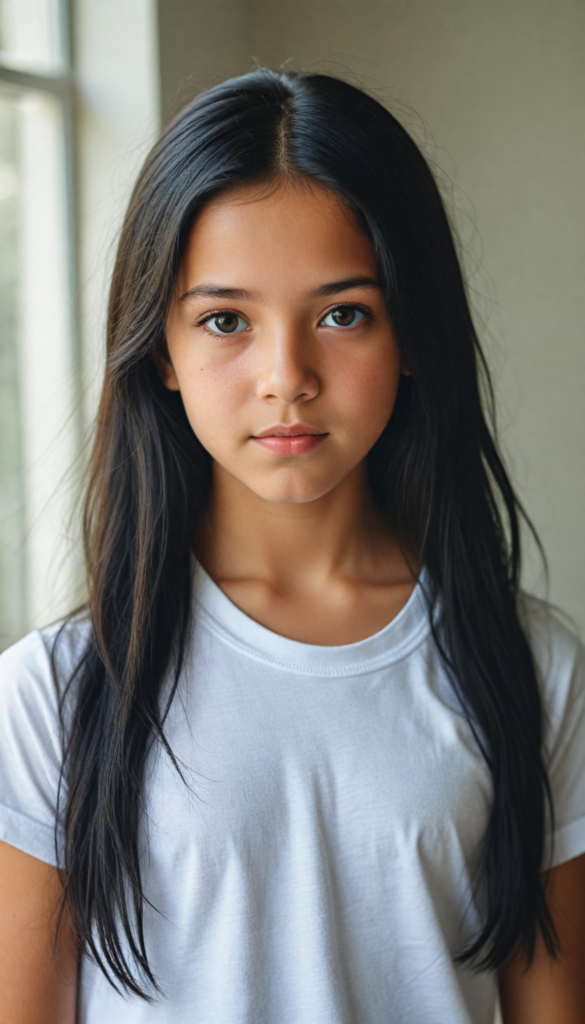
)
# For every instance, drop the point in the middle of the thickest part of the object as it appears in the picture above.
(308, 756)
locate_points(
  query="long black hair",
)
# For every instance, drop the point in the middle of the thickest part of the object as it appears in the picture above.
(435, 471)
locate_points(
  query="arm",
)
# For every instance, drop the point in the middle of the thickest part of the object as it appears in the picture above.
(553, 990)
(36, 987)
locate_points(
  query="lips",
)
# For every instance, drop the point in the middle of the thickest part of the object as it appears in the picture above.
(297, 439)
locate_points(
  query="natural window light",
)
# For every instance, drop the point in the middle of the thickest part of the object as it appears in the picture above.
(37, 351)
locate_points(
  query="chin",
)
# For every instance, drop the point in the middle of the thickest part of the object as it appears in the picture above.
(297, 493)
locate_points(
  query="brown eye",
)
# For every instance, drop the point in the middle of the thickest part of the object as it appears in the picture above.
(226, 323)
(343, 316)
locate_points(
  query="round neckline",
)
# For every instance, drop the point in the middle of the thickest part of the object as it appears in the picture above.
(395, 641)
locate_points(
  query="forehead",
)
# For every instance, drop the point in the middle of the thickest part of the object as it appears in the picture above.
(299, 232)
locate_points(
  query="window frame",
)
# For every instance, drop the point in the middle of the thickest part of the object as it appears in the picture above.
(61, 84)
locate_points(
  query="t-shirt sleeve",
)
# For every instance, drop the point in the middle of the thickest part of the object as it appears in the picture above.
(30, 748)
(560, 658)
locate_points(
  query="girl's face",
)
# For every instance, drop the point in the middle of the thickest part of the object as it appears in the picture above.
(280, 343)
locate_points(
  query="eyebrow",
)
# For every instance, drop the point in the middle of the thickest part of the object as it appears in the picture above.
(342, 286)
(219, 292)
(332, 288)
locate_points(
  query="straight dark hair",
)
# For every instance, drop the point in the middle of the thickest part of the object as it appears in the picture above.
(435, 471)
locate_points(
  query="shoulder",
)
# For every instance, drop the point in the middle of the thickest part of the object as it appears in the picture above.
(560, 663)
(31, 751)
(32, 669)
(558, 652)
(550, 631)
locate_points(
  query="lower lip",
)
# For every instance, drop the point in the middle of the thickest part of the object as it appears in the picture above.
(299, 445)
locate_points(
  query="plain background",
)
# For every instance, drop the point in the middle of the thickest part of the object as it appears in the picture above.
(494, 90)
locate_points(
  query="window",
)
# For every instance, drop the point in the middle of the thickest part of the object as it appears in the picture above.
(38, 364)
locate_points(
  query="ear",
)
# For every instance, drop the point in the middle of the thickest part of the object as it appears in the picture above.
(166, 371)
(404, 368)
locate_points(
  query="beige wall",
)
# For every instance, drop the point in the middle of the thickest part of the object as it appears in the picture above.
(201, 43)
(500, 87)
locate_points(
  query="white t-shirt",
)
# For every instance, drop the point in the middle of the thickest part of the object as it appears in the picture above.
(318, 871)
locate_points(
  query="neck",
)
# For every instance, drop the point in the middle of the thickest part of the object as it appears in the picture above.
(297, 546)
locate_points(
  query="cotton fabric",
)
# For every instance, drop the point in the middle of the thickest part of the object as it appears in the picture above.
(318, 867)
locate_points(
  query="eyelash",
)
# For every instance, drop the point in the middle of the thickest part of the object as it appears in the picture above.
(218, 312)
(368, 315)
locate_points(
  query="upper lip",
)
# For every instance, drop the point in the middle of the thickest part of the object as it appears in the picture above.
(281, 430)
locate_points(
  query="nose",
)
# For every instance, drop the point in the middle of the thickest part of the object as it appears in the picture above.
(287, 373)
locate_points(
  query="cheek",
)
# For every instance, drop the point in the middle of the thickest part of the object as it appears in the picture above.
(365, 390)
(213, 396)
